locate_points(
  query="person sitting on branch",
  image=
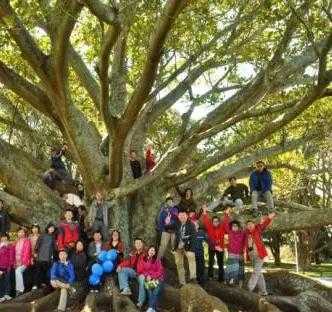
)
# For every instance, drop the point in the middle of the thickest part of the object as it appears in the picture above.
(238, 192)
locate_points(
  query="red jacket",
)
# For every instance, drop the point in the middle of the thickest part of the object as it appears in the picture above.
(148, 267)
(132, 261)
(215, 234)
(256, 235)
(7, 257)
(150, 160)
(68, 233)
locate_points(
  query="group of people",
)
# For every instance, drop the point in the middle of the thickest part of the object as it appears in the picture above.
(65, 252)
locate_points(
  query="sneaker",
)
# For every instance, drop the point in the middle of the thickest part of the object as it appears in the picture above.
(72, 290)
(34, 288)
(7, 297)
(126, 292)
(2, 299)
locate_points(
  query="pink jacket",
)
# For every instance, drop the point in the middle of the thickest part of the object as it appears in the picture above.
(237, 239)
(26, 252)
(7, 257)
(152, 268)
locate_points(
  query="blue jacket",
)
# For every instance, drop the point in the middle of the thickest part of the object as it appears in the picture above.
(63, 273)
(261, 181)
(201, 237)
(164, 211)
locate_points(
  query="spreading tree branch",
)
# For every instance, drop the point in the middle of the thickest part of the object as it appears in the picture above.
(105, 13)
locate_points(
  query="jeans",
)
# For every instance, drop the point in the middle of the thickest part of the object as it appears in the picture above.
(220, 262)
(257, 277)
(154, 296)
(124, 276)
(237, 202)
(19, 278)
(267, 196)
(141, 291)
(5, 283)
(179, 257)
(164, 241)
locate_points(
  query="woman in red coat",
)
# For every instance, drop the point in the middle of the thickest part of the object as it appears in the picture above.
(149, 159)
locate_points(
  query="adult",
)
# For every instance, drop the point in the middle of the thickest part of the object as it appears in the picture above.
(95, 247)
(185, 246)
(187, 203)
(32, 272)
(117, 244)
(216, 234)
(22, 259)
(7, 261)
(256, 252)
(150, 161)
(4, 219)
(57, 163)
(261, 186)
(235, 194)
(151, 274)
(62, 277)
(98, 217)
(80, 262)
(167, 222)
(127, 268)
(68, 233)
(45, 250)
(135, 165)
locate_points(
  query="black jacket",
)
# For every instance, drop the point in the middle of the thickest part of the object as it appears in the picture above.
(136, 168)
(240, 191)
(187, 234)
(4, 221)
(80, 263)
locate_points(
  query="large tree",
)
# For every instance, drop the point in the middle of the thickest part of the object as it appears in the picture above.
(88, 68)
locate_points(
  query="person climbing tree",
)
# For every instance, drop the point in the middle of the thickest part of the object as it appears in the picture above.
(261, 186)
(4, 219)
(238, 192)
(135, 165)
(98, 217)
(57, 163)
(167, 220)
(185, 246)
(150, 161)
(256, 252)
(216, 233)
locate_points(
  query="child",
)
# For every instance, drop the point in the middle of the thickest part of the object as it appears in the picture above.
(33, 240)
(22, 259)
(150, 161)
(151, 274)
(236, 246)
(256, 252)
(80, 262)
(63, 276)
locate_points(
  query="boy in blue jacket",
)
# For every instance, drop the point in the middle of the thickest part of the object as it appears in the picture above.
(167, 222)
(261, 186)
(201, 237)
(63, 276)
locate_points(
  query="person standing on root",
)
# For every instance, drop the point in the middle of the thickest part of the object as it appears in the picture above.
(22, 259)
(238, 192)
(185, 246)
(236, 247)
(62, 277)
(216, 231)
(261, 186)
(34, 236)
(201, 237)
(99, 215)
(127, 269)
(256, 252)
(7, 261)
(168, 218)
(45, 250)
(135, 165)
(150, 273)
(4, 219)
(80, 262)
(68, 233)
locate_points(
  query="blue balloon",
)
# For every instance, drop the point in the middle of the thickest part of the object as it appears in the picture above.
(97, 269)
(108, 266)
(102, 256)
(112, 255)
(94, 280)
